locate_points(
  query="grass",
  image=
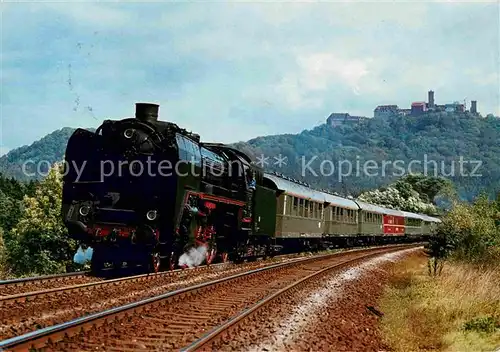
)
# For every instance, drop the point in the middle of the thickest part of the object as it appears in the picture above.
(456, 311)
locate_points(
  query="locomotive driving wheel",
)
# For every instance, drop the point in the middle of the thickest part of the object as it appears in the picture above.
(154, 262)
(172, 261)
(210, 255)
(224, 257)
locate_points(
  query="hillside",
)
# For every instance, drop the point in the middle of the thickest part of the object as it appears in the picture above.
(440, 139)
(50, 148)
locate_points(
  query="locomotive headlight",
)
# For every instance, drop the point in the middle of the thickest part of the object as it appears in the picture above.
(151, 215)
(84, 210)
(129, 133)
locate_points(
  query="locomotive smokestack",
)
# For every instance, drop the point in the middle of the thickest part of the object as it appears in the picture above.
(146, 112)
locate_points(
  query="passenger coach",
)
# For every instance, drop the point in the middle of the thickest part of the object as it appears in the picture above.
(312, 218)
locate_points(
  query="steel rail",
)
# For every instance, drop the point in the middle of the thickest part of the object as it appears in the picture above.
(53, 277)
(21, 297)
(39, 338)
(227, 327)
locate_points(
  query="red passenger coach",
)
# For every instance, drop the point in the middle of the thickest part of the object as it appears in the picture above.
(394, 225)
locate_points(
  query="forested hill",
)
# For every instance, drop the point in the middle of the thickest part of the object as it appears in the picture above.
(440, 139)
(43, 152)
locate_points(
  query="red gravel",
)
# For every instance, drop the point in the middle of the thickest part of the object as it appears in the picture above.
(338, 312)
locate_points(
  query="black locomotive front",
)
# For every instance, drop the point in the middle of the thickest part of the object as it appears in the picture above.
(120, 188)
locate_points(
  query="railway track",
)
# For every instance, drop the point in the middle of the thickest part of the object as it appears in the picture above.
(19, 286)
(190, 317)
(29, 311)
(39, 283)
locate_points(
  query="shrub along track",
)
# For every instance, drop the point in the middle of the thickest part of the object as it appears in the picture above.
(28, 311)
(176, 319)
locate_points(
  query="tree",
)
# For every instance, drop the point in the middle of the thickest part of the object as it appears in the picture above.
(402, 195)
(428, 187)
(3, 256)
(11, 211)
(39, 242)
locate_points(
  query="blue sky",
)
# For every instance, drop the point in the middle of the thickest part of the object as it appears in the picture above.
(235, 71)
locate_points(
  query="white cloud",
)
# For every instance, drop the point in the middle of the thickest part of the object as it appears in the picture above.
(319, 70)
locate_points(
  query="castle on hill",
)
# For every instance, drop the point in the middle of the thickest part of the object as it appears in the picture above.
(417, 108)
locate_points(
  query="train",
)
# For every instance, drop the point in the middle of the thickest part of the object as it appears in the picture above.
(202, 202)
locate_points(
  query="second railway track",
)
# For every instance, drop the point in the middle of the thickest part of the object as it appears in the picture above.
(187, 318)
(29, 284)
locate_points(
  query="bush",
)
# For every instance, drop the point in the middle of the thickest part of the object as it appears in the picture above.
(471, 232)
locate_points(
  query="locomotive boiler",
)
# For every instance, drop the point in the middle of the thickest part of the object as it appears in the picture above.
(146, 193)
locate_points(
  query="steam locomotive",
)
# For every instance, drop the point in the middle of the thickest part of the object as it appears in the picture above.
(149, 194)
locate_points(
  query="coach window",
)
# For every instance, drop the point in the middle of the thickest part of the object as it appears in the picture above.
(289, 204)
(306, 208)
(295, 206)
(300, 207)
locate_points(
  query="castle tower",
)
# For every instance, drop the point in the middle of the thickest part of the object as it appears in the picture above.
(431, 99)
(473, 106)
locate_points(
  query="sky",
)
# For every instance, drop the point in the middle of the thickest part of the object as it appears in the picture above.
(232, 71)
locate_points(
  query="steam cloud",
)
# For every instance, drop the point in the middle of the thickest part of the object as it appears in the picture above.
(194, 257)
(83, 255)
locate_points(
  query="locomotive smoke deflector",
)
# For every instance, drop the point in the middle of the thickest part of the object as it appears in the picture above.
(147, 112)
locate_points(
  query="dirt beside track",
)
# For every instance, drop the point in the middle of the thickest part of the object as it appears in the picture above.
(337, 313)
